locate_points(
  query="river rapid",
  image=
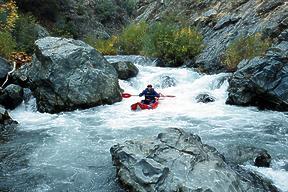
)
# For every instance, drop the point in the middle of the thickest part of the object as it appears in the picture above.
(69, 151)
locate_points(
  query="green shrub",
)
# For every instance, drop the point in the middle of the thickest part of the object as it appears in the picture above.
(7, 44)
(130, 41)
(171, 43)
(245, 48)
(25, 34)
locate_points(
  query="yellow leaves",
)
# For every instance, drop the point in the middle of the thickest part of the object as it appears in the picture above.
(107, 46)
(8, 15)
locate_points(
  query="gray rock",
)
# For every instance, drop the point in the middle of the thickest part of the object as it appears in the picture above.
(263, 160)
(166, 81)
(125, 69)
(263, 81)
(7, 126)
(178, 161)
(11, 96)
(225, 21)
(67, 74)
(204, 98)
(210, 13)
(245, 154)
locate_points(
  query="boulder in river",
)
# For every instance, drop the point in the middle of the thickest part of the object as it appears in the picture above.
(68, 74)
(11, 96)
(204, 98)
(262, 81)
(125, 69)
(243, 154)
(178, 161)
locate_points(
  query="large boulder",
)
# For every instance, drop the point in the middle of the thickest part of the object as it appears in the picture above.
(262, 81)
(178, 161)
(125, 69)
(11, 96)
(67, 74)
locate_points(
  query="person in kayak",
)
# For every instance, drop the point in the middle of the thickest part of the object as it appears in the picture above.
(149, 94)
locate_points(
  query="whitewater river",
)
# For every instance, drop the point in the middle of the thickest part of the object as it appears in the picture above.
(70, 151)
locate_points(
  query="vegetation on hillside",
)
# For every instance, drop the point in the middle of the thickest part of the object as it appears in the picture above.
(168, 41)
(17, 34)
(245, 48)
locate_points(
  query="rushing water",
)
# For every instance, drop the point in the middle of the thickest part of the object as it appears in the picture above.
(70, 151)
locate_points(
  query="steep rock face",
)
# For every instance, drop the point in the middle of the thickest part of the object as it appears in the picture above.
(221, 22)
(178, 161)
(262, 81)
(67, 74)
(82, 18)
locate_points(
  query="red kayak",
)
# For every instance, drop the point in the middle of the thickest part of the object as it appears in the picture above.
(140, 105)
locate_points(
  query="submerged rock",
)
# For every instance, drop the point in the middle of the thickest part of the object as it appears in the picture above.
(245, 154)
(263, 160)
(262, 81)
(204, 98)
(178, 161)
(125, 69)
(67, 74)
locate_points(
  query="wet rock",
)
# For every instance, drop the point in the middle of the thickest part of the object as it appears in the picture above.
(178, 161)
(125, 69)
(166, 81)
(7, 126)
(263, 81)
(11, 96)
(245, 154)
(204, 98)
(5, 67)
(67, 74)
(263, 160)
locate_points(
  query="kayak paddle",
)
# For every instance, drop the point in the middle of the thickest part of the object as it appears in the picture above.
(127, 95)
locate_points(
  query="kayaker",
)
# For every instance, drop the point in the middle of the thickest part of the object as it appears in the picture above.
(149, 94)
